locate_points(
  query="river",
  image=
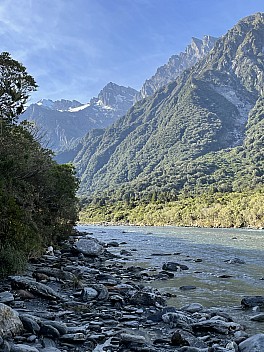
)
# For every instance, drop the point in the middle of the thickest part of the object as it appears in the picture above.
(205, 251)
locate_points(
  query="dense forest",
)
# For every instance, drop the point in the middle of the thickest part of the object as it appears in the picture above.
(38, 206)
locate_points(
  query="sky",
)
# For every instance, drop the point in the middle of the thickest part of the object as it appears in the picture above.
(73, 48)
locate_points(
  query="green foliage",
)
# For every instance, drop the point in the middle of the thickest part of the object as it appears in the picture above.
(15, 86)
(38, 206)
(237, 209)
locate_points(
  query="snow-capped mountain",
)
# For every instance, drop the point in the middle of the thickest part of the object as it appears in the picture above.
(64, 121)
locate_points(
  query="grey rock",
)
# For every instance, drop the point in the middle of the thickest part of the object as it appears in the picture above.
(6, 297)
(214, 325)
(57, 273)
(258, 317)
(193, 308)
(49, 331)
(34, 287)
(252, 301)
(132, 338)
(254, 343)
(146, 299)
(172, 266)
(61, 327)
(88, 294)
(89, 247)
(29, 324)
(187, 288)
(51, 349)
(10, 324)
(23, 348)
(77, 337)
(177, 319)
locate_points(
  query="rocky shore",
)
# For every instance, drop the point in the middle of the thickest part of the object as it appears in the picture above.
(81, 298)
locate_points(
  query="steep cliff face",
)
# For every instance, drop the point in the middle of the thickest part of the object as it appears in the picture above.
(172, 139)
(64, 121)
(176, 65)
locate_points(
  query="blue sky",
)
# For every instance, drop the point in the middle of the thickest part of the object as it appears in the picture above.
(73, 48)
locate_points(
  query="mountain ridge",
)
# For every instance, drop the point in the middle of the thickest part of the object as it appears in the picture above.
(205, 110)
(66, 121)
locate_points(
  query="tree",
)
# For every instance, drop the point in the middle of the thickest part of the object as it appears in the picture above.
(38, 204)
(15, 87)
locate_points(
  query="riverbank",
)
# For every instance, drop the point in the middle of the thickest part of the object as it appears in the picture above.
(217, 210)
(86, 297)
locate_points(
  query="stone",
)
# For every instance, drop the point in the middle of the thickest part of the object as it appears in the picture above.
(193, 308)
(61, 327)
(10, 324)
(29, 324)
(56, 273)
(130, 338)
(187, 288)
(23, 348)
(6, 297)
(258, 317)
(50, 349)
(89, 246)
(172, 266)
(88, 294)
(49, 331)
(177, 319)
(77, 337)
(235, 261)
(252, 301)
(214, 325)
(254, 343)
(146, 299)
(34, 287)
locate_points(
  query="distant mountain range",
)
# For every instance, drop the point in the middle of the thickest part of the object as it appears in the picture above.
(66, 121)
(203, 130)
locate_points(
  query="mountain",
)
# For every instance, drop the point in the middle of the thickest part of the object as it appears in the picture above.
(64, 121)
(176, 65)
(195, 133)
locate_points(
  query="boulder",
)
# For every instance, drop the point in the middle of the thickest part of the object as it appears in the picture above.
(258, 317)
(6, 297)
(252, 301)
(193, 308)
(56, 273)
(89, 246)
(216, 325)
(88, 293)
(130, 338)
(146, 299)
(254, 343)
(10, 324)
(172, 266)
(37, 288)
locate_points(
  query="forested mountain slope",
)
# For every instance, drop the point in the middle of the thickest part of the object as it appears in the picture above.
(199, 132)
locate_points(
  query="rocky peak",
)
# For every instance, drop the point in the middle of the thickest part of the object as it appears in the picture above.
(61, 105)
(167, 73)
(113, 94)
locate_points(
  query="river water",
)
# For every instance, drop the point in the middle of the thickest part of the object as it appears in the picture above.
(205, 251)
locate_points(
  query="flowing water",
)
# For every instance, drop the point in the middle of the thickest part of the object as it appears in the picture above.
(205, 251)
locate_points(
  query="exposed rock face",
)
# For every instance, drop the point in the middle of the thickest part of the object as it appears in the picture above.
(10, 324)
(64, 121)
(176, 65)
